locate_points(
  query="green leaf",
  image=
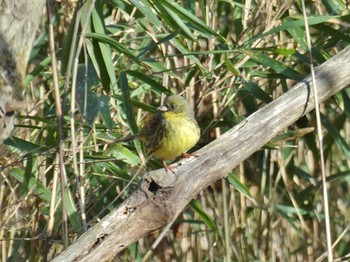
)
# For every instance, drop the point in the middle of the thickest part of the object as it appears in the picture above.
(290, 210)
(148, 80)
(122, 153)
(184, 29)
(238, 185)
(37, 70)
(153, 45)
(25, 146)
(158, 68)
(286, 211)
(298, 22)
(138, 104)
(346, 101)
(105, 112)
(32, 184)
(99, 28)
(87, 101)
(68, 40)
(113, 169)
(102, 38)
(146, 9)
(72, 212)
(335, 135)
(256, 91)
(128, 108)
(298, 33)
(27, 175)
(196, 206)
(231, 67)
(191, 19)
(273, 64)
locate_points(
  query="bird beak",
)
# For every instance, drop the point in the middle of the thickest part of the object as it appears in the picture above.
(163, 108)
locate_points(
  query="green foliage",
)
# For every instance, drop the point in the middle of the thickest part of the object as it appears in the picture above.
(120, 58)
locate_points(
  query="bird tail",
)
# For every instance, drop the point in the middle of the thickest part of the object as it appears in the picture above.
(126, 138)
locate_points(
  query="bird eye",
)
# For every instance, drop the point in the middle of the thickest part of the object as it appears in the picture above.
(172, 106)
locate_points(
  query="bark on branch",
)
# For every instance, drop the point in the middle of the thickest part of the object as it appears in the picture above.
(19, 21)
(162, 196)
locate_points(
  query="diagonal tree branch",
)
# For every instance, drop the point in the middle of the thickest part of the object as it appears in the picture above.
(19, 21)
(162, 196)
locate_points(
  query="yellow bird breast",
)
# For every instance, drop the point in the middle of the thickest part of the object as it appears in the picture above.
(181, 134)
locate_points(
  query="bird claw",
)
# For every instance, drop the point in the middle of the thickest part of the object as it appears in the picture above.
(167, 168)
(188, 155)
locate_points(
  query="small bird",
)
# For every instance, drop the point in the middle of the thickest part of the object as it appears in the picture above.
(172, 131)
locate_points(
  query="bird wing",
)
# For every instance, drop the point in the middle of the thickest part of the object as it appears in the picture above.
(153, 132)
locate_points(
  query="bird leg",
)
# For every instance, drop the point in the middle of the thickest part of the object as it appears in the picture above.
(167, 168)
(188, 155)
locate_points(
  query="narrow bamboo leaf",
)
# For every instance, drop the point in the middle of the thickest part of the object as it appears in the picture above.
(298, 22)
(256, 91)
(138, 104)
(334, 7)
(273, 64)
(335, 134)
(87, 101)
(291, 135)
(298, 33)
(99, 28)
(166, 18)
(238, 185)
(290, 210)
(36, 71)
(104, 111)
(67, 42)
(92, 47)
(191, 19)
(128, 108)
(113, 169)
(334, 33)
(122, 153)
(146, 9)
(72, 212)
(282, 211)
(231, 67)
(346, 101)
(39, 44)
(284, 51)
(157, 68)
(25, 146)
(154, 45)
(248, 101)
(146, 79)
(196, 206)
(112, 43)
(27, 175)
(180, 24)
(190, 75)
(33, 185)
(184, 50)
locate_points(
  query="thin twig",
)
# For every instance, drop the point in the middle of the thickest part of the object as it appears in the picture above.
(159, 238)
(60, 129)
(320, 139)
(72, 120)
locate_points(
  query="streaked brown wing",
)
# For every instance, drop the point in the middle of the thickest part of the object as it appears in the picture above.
(152, 132)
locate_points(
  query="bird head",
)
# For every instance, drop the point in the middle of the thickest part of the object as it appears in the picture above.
(176, 106)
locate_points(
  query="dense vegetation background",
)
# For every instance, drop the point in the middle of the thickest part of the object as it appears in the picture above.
(113, 61)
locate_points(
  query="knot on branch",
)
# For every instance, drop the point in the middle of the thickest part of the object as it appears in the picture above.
(157, 185)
